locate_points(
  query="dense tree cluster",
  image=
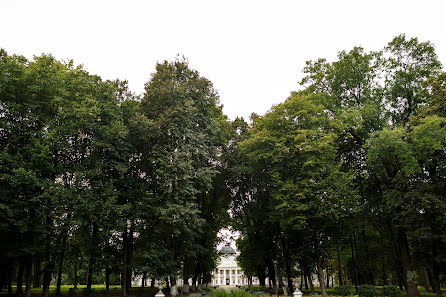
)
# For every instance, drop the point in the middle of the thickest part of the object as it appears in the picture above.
(98, 184)
(347, 176)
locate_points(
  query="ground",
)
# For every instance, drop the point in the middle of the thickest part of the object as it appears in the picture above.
(115, 291)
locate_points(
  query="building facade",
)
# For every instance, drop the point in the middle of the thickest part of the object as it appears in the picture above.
(228, 273)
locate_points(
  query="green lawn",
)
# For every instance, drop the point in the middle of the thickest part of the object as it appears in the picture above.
(115, 291)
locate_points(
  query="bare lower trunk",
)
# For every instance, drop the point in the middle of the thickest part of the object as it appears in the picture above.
(37, 274)
(91, 260)
(338, 253)
(9, 276)
(411, 287)
(19, 290)
(310, 280)
(301, 280)
(124, 265)
(320, 274)
(143, 280)
(49, 266)
(286, 256)
(107, 277)
(173, 287)
(28, 276)
(355, 271)
(59, 271)
(90, 273)
(75, 277)
(425, 279)
(436, 268)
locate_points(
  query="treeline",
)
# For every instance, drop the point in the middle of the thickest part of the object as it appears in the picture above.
(347, 177)
(98, 184)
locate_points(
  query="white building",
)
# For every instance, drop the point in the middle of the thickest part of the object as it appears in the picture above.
(228, 273)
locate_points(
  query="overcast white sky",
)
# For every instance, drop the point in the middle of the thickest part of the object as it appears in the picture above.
(253, 51)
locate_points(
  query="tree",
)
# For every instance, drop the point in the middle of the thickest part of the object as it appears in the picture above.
(408, 63)
(181, 159)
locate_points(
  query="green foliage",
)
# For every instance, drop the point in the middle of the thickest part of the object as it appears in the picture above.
(342, 290)
(230, 293)
(86, 292)
(391, 291)
(367, 291)
(71, 292)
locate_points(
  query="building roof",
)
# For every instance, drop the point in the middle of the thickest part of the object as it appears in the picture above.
(227, 249)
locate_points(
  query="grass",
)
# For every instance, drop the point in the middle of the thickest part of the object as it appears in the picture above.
(98, 291)
(115, 291)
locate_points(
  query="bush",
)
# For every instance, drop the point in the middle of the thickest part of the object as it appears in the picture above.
(88, 292)
(342, 290)
(71, 292)
(391, 291)
(231, 293)
(367, 291)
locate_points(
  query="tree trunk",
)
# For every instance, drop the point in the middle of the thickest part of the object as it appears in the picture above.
(29, 275)
(338, 253)
(436, 286)
(262, 277)
(124, 265)
(194, 282)
(310, 280)
(19, 290)
(355, 275)
(328, 279)
(358, 279)
(107, 277)
(305, 275)
(282, 285)
(129, 257)
(90, 272)
(320, 275)
(49, 267)
(173, 288)
(9, 280)
(75, 277)
(60, 267)
(37, 283)
(411, 288)
(301, 280)
(152, 283)
(425, 279)
(286, 256)
(91, 260)
(143, 279)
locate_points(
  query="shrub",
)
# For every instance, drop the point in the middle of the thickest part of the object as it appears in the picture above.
(367, 291)
(71, 292)
(88, 292)
(231, 293)
(391, 291)
(342, 290)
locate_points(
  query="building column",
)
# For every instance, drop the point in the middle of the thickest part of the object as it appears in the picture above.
(218, 279)
(224, 276)
(236, 277)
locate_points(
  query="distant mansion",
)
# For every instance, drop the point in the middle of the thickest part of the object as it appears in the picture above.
(228, 273)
